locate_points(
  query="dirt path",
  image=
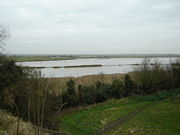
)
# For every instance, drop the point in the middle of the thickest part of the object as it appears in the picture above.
(122, 120)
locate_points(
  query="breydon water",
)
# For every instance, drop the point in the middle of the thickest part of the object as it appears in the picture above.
(109, 66)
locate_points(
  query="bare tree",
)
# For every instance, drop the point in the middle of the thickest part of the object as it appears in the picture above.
(3, 36)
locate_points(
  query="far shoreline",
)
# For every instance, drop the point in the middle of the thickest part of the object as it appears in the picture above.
(35, 58)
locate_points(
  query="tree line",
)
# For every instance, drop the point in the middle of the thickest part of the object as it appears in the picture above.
(146, 79)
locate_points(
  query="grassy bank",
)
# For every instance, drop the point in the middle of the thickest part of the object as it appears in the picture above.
(87, 120)
(160, 119)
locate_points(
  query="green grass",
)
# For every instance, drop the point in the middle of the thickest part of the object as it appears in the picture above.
(88, 120)
(160, 119)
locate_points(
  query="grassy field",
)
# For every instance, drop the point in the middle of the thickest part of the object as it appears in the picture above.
(160, 119)
(87, 120)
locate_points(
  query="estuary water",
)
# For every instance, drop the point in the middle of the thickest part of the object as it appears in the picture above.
(108, 66)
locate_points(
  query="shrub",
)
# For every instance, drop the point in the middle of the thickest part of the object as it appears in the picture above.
(101, 92)
(129, 86)
(176, 73)
(70, 96)
(116, 89)
(86, 94)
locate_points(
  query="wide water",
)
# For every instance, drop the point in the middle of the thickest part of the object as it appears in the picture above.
(109, 66)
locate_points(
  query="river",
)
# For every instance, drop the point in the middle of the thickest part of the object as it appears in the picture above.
(108, 66)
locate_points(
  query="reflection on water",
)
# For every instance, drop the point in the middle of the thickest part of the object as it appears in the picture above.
(109, 66)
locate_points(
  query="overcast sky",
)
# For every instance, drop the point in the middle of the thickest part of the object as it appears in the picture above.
(91, 26)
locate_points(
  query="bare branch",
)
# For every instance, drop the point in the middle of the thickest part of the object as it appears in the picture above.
(4, 34)
(60, 108)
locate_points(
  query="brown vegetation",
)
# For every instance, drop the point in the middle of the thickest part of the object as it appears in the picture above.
(8, 124)
(59, 84)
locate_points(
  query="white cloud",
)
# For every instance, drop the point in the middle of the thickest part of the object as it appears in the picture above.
(116, 24)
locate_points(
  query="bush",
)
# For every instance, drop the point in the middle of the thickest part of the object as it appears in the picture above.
(116, 89)
(86, 95)
(101, 92)
(129, 86)
(70, 96)
(176, 73)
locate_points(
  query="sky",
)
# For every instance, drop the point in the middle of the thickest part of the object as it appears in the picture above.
(91, 26)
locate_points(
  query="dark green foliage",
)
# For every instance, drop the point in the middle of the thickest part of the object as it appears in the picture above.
(70, 96)
(176, 73)
(12, 80)
(129, 85)
(116, 89)
(71, 87)
(10, 74)
(24, 89)
(86, 95)
(101, 91)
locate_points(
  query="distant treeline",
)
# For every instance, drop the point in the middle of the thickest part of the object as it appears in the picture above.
(25, 94)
